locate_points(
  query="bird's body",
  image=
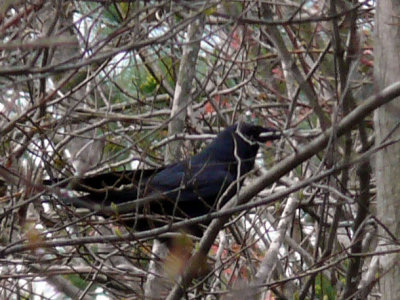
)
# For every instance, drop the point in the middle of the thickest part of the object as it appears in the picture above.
(187, 189)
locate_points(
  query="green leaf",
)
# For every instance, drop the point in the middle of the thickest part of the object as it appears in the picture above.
(114, 208)
(210, 11)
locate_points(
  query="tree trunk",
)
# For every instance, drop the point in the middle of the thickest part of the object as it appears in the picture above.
(387, 71)
(182, 98)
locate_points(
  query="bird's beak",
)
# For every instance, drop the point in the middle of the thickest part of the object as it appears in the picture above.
(269, 135)
(273, 134)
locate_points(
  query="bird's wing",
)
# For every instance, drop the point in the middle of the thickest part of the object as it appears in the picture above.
(193, 191)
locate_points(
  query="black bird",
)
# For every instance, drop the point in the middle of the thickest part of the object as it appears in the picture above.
(186, 189)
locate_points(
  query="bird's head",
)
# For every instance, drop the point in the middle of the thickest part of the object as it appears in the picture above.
(241, 141)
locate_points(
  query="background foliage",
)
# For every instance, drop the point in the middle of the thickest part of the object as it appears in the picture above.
(95, 86)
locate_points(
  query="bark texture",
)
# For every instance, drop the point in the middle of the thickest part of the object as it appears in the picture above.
(387, 118)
